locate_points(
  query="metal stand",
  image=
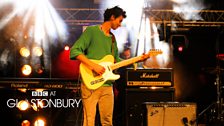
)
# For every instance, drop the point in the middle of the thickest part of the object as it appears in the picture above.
(216, 108)
(218, 111)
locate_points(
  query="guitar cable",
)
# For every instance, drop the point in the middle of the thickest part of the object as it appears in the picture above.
(79, 83)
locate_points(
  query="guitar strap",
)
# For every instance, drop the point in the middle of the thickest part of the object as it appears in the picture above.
(113, 41)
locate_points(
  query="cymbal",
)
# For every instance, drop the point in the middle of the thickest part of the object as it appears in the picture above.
(212, 70)
(220, 56)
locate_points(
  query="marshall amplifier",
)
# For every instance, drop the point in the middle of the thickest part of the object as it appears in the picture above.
(150, 77)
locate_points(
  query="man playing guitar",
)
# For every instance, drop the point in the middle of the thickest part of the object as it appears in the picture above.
(97, 50)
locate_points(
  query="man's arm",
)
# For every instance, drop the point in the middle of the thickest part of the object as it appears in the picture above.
(93, 66)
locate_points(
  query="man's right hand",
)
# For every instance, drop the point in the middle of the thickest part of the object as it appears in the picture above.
(98, 68)
(93, 66)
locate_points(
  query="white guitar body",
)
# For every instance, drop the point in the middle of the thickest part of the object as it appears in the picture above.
(94, 81)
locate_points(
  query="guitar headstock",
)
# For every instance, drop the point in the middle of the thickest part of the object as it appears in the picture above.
(154, 52)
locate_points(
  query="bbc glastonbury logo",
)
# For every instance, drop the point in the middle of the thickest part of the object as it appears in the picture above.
(42, 97)
(40, 93)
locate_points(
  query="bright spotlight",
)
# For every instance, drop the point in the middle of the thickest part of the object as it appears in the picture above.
(40, 22)
(26, 70)
(25, 123)
(39, 122)
(66, 48)
(24, 52)
(23, 105)
(46, 20)
(37, 51)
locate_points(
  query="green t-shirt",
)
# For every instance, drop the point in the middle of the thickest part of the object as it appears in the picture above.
(94, 44)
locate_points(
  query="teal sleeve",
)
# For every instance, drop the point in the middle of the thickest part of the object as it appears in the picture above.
(81, 44)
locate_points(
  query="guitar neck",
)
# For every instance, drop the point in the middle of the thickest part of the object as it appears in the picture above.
(125, 62)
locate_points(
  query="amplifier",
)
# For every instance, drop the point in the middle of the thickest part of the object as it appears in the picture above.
(149, 77)
(170, 114)
(135, 99)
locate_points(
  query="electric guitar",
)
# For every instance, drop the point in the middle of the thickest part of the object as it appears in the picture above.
(93, 81)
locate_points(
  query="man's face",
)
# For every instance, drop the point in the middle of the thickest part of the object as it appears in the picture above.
(116, 22)
(127, 54)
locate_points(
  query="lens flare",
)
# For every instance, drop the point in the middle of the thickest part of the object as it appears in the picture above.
(26, 70)
(37, 51)
(23, 105)
(33, 22)
(66, 48)
(24, 52)
(25, 123)
(39, 122)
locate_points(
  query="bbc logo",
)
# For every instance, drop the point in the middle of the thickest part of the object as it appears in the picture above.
(39, 93)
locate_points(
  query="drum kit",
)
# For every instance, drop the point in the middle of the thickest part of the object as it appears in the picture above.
(218, 83)
(216, 108)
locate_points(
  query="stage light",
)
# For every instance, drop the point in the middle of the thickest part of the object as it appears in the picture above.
(39, 90)
(37, 51)
(39, 68)
(180, 48)
(22, 90)
(26, 70)
(179, 44)
(34, 106)
(37, 106)
(41, 13)
(24, 52)
(66, 48)
(153, 88)
(25, 36)
(39, 23)
(39, 122)
(25, 123)
(23, 105)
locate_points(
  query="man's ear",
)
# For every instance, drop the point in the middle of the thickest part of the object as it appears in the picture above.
(112, 17)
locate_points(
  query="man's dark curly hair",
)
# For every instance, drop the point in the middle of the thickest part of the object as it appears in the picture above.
(116, 11)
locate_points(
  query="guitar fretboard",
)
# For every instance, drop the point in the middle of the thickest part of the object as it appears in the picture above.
(125, 62)
(152, 52)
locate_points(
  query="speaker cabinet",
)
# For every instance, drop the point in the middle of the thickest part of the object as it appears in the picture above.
(135, 97)
(171, 114)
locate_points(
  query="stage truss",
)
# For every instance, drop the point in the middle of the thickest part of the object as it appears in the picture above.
(82, 16)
